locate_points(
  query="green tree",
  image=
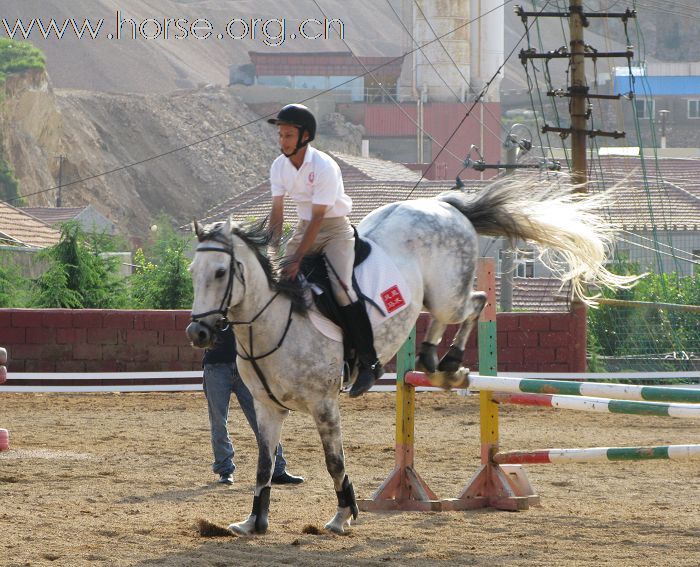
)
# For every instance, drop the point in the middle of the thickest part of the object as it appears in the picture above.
(13, 286)
(626, 331)
(161, 279)
(19, 56)
(78, 277)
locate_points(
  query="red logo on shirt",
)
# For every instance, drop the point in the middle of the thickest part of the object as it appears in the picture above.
(392, 299)
(311, 177)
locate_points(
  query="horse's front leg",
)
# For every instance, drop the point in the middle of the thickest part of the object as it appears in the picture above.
(327, 417)
(270, 422)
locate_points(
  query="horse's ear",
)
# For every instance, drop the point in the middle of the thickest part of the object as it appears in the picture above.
(459, 184)
(229, 225)
(197, 229)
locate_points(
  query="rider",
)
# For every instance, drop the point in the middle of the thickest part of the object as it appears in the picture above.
(313, 181)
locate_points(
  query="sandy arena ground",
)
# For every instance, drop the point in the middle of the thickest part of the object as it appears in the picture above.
(121, 479)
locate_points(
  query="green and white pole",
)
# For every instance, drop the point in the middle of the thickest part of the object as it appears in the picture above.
(596, 454)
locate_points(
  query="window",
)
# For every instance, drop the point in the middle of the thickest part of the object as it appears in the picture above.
(523, 262)
(694, 108)
(644, 107)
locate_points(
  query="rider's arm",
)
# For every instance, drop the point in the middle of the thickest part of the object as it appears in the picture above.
(310, 234)
(277, 219)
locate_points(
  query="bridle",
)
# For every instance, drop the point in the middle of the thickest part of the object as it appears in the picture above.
(224, 322)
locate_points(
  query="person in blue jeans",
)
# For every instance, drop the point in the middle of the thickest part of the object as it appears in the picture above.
(221, 378)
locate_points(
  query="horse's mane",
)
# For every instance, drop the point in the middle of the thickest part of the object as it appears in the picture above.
(257, 235)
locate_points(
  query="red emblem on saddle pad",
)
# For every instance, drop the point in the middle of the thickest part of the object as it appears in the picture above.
(393, 299)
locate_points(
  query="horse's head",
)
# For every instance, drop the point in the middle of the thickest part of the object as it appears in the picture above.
(217, 277)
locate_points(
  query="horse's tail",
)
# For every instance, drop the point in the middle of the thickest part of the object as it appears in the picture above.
(574, 239)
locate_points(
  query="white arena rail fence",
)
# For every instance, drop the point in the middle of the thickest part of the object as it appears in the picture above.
(183, 381)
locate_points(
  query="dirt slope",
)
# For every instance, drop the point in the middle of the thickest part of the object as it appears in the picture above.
(162, 65)
(100, 132)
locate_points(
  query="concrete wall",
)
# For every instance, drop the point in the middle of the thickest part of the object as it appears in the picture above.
(97, 340)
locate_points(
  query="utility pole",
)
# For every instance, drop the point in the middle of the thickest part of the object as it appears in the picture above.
(60, 180)
(578, 91)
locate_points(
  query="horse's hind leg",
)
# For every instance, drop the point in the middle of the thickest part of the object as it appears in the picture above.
(270, 422)
(452, 361)
(327, 416)
(427, 359)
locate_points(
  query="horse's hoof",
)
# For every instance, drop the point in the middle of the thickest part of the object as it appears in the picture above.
(246, 528)
(340, 521)
(339, 529)
(449, 380)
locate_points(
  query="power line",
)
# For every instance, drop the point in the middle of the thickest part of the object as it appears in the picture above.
(251, 122)
(481, 94)
(439, 75)
(454, 63)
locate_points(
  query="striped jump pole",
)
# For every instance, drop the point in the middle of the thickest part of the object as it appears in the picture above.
(596, 454)
(603, 405)
(572, 388)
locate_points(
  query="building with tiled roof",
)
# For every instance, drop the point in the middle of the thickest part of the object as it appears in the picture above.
(656, 206)
(369, 182)
(89, 218)
(22, 230)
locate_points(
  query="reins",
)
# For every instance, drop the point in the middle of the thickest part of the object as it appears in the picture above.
(223, 311)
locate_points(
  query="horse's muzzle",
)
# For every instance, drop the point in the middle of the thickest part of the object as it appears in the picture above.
(199, 335)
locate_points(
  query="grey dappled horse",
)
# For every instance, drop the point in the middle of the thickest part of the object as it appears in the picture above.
(289, 365)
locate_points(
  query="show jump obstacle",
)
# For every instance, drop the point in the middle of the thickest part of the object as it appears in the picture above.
(501, 482)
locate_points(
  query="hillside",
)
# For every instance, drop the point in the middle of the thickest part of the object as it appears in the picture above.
(103, 135)
(162, 65)
(371, 28)
(112, 103)
(99, 132)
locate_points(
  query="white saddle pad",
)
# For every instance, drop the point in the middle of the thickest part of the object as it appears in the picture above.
(379, 280)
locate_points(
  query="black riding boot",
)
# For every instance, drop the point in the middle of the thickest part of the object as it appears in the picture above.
(369, 368)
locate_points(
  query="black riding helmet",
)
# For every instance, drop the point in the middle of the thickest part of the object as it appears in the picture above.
(300, 116)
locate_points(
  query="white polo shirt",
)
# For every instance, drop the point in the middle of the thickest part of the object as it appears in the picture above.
(317, 182)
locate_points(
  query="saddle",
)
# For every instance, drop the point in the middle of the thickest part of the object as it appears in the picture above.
(315, 270)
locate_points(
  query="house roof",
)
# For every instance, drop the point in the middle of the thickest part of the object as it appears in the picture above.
(17, 228)
(665, 194)
(369, 182)
(323, 63)
(54, 215)
(537, 294)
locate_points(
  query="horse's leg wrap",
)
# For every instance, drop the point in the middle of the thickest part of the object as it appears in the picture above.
(261, 506)
(346, 497)
(427, 360)
(452, 361)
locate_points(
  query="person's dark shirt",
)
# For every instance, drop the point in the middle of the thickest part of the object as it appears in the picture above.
(223, 350)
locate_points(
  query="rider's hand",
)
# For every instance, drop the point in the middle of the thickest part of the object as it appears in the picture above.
(291, 267)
